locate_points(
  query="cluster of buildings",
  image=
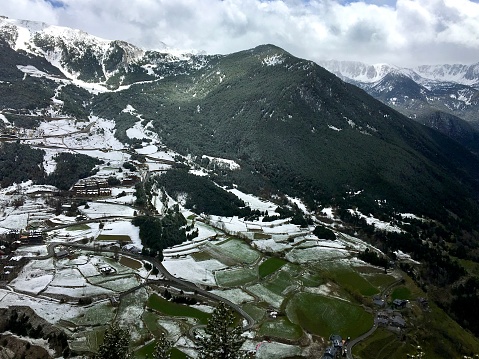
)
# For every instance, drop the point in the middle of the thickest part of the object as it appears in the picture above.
(91, 187)
(24, 237)
(337, 348)
(97, 186)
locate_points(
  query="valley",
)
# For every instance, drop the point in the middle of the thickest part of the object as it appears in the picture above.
(144, 188)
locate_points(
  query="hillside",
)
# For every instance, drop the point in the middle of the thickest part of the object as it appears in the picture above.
(302, 130)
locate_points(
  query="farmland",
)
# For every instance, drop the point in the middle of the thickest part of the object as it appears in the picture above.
(297, 288)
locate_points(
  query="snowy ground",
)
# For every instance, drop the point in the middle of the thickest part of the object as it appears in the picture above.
(99, 210)
(49, 310)
(191, 270)
(236, 295)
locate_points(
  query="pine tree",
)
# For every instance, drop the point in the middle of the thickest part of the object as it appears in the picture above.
(162, 348)
(115, 344)
(221, 341)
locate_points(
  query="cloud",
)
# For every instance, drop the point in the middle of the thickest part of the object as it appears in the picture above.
(403, 32)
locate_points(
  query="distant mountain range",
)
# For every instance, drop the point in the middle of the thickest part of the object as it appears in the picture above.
(444, 97)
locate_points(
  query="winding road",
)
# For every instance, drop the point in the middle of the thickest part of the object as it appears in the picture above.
(174, 281)
(355, 341)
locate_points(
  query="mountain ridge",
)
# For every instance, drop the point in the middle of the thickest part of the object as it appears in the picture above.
(263, 106)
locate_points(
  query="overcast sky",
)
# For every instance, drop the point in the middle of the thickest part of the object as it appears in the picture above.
(401, 32)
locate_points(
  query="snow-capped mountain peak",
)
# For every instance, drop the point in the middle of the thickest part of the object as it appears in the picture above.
(358, 71)
(84, 57)
(364, 73)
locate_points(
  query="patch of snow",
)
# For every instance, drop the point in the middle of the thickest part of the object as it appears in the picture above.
(49, 310)
(236, 295)
(191, 270)
(315, 254)
(223, 163)
(4, 119)
(335, 128)
(99, 210)
(273, 60)
(32, 278)
(266, 295)
(124, 228)
(328, 212)
(386, 226)
(129, 109)
(254, 202)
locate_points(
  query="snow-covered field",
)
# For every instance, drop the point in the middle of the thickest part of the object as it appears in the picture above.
(99, 210)
(266, 295)
(191, 270)
(235, 295)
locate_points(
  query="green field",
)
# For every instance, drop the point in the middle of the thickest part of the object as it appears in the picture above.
(256, 312)
(98, 314)
(78, 227)
(90, 341)
(401, 293)
(323, 315)
(280, 328)
(348, 278)
(114, 237)
(281, 283)
(240, 251)
(235, 277)
(270, 266)
(311, 279)
(147, 352)
(151, 321)
(383, 344)
(380, 280)
(201, 256)
(130, 262)
(176, 310)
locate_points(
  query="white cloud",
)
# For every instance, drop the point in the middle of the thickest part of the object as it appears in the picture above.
(403, 32)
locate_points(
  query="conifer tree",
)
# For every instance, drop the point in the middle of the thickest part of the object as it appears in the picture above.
(162, 348)
(115, 344)
(221, 341)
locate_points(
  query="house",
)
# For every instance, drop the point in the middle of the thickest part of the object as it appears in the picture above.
(398, 321)
(377, 300)
(336, 340)
(35, 237)
(130, 180)
(423, 302)
(329, 353)
(400, 303)
(336, 347)
(62, 254)
(106, 270)
(382, 322)
(114, 300)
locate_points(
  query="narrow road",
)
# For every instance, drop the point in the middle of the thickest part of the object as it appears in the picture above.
(355, 341)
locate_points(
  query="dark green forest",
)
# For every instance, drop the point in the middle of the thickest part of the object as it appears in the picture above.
(70, 168)
(19, 163)
(159, 233)
(202, 195)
